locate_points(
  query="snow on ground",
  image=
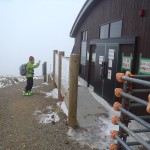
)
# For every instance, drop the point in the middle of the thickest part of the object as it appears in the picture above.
(53, 93)
(10, 80)
(91, 136)
(34, 87)
(48, 117)
(64, 108)
(45, 83)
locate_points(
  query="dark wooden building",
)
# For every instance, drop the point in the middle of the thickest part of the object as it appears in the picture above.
(111, 36)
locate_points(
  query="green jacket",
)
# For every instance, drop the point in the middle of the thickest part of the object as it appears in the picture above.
(30, 69)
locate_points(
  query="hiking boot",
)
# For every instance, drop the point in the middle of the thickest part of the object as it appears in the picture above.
(24, 91)
(28, 93)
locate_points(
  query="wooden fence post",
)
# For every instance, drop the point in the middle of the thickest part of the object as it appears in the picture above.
(45, 71)
(54, 57)
(61, 53)
(73, 90)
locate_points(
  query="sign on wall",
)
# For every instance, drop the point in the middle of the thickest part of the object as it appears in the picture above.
(111, 53)
(144, 65)
(101, 59)
(87, 56)
(109, 74)
(93, 57)
(126, 62)
(110, 63)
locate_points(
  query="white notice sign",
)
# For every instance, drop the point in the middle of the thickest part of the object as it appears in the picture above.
(110, 63)
(101, 58)
(111, 53)
(109, 74)
(93, 57)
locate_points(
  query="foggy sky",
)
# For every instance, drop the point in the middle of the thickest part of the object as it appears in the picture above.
(35, 27)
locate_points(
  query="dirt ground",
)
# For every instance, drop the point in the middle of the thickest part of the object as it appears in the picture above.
(19, 127)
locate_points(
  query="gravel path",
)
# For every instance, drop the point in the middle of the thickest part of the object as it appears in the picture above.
(19, 127)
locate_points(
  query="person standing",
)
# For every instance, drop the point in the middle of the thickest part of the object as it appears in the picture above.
(29, 75)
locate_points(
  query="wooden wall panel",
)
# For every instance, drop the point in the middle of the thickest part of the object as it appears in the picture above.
(109, 11)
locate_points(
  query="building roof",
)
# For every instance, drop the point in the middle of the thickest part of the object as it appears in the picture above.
(84, 10)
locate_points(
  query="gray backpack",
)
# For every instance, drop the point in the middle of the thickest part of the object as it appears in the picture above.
(22, 69)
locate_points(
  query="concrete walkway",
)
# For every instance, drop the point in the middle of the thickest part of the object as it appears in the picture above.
(88, 108)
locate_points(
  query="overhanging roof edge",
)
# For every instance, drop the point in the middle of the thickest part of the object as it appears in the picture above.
(83, 9)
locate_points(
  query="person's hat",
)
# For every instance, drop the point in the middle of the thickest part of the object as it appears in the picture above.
(31, 58)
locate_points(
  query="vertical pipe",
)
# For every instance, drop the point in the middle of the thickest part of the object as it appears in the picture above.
(73, 90)
(61, 53)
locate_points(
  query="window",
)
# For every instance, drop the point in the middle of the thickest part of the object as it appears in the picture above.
(84, 36)
(83, 52)
(115, 29)
(104, 31)
(111, 30)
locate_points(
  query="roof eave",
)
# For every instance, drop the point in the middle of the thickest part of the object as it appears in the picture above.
(80, 15)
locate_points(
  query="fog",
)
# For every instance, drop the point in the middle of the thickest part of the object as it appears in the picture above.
(35, 28)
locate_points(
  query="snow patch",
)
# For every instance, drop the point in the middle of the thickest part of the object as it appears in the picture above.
(91, 136)
(45, 83)
(37, 112)
(53, 93)
(49, 107)
(107, 125)
(48, 117)
(64, 108)
(10, 80)
(35, 87)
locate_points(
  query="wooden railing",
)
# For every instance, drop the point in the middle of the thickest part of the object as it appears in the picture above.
(65, 75)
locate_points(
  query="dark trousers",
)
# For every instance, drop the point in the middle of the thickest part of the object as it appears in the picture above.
(29, 84)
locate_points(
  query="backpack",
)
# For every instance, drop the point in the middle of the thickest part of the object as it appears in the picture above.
(23, 70)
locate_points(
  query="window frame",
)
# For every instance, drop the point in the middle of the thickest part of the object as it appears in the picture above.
(120, 31)
(109, 29)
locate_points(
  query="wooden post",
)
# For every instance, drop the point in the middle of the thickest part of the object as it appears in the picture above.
(45, 71)
(54, 53)
(73, 90)
(61, 53)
